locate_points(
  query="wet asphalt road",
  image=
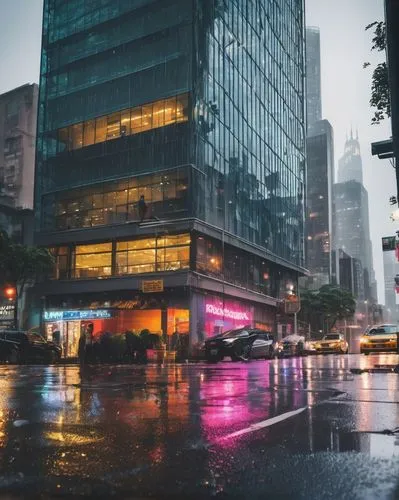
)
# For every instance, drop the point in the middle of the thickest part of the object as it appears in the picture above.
(295, 428)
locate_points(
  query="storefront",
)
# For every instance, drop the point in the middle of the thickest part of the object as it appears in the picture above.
(213, 314)
(176, 315)
(64, 326)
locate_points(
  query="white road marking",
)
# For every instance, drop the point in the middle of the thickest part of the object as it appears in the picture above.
(264, 423)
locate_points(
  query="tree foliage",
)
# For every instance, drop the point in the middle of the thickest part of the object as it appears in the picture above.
(22, 265)
(322, 308)
(380, 93)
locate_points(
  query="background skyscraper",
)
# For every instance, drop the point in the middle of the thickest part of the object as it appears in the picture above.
(350, 164)
(351, 214)
(320, 172)
(319, 226)
(313, 76)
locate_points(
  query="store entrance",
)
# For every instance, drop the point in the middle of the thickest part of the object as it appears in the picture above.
(71, 339)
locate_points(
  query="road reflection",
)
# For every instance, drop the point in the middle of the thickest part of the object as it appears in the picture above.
(131, 418)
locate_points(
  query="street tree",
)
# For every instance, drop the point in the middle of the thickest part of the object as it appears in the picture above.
(380, 93)
(22, 266)
(322, 308)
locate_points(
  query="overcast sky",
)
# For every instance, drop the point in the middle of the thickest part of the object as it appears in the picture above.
(345, 85)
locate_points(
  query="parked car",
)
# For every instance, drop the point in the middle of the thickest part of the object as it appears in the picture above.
(24, 347)
(332, 343)
(292, 345)
(240, 344)
(380, 338)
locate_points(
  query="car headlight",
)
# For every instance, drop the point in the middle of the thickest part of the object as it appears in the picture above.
(364, 340)
(228, 341)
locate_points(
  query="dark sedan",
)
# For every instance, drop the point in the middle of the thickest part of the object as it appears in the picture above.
(241, 344)
(24, 347)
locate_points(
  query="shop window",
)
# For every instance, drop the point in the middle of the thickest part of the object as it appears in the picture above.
(173, 259)
(93, 260)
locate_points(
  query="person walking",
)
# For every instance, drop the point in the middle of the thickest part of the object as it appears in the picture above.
(82, 351)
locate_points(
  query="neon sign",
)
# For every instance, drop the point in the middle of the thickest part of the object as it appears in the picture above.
(227, 313)
(77, 315)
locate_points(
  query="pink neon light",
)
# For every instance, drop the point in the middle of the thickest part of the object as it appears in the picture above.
(227, 313)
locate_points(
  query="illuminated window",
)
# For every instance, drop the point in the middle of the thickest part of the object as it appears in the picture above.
(76, 137)
(93, 260)
(117, 202)
(127, 122)
(148, 255)
(89, 133)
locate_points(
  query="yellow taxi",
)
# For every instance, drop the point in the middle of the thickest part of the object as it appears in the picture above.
(333, 343)
(380, 338)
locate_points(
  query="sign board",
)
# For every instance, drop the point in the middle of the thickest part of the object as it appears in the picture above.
(292, 304)
(77, 315)
(7, 311)
(152, 286)
(388, 244)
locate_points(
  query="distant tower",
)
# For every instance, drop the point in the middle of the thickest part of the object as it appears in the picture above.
(313, 75)
(350, 165)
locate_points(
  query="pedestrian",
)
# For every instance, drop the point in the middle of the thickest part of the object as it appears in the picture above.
(82, 351)
(142, 208)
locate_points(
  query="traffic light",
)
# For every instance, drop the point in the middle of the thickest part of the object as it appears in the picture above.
(10, 293)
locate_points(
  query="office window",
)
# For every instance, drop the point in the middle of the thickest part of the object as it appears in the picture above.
(129, 121)
(149, 255)
(117, 202)
(93, 260)
(89, 133)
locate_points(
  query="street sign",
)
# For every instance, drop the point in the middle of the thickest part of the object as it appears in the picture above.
(152, 286)
(388, 243)
(292, 304)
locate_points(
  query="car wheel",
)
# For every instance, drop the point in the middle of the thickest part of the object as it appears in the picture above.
(212, 359)
(365, 353)
(240, 352)
(270, 354)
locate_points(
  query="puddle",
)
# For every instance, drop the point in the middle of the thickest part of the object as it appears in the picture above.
(374, 444)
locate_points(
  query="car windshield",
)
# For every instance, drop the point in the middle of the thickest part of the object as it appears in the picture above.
(332, 336)
(235, 333)
(382, 330)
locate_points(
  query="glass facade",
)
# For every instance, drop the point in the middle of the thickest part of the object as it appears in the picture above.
(197, 105)
(249, 105)
(138, 256)
(167, 194)
(123, 123)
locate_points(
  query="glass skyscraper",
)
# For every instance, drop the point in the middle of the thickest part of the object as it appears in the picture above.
(170, 163)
